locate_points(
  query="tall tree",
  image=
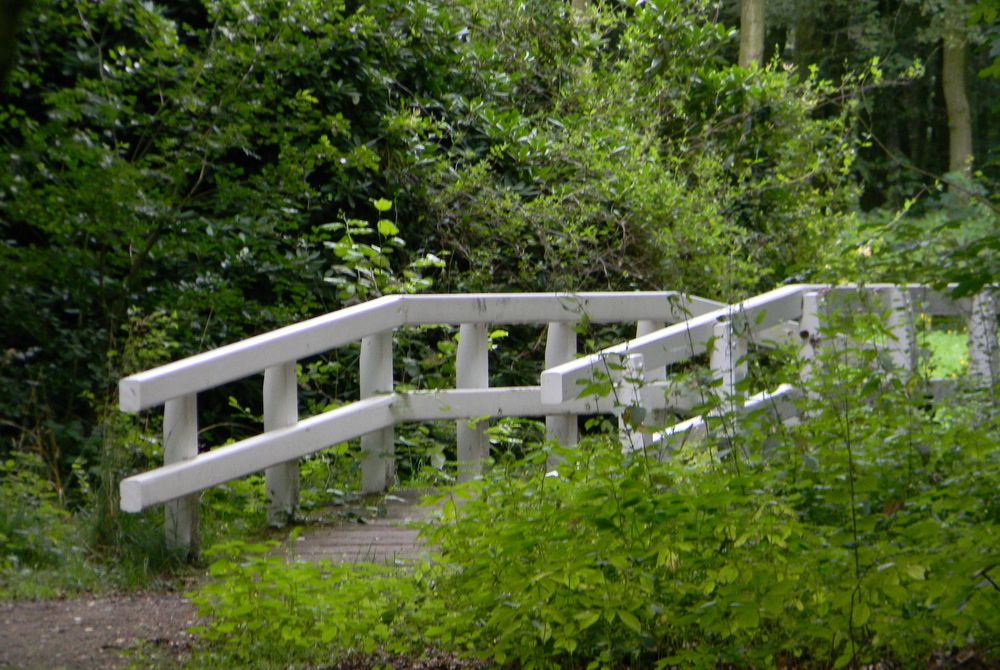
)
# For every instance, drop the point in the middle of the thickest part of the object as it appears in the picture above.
(752, 31)
(952, 26)
(956, 101)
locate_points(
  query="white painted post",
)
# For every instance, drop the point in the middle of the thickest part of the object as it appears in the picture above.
(472, 371)
(903, 347)
(378, 467)
(657, 418)
(180, 443)
(809, 332)
(984, 355)
(627, 376)
(560, 347)
(281, 409)
(728, 361)
(810, 336)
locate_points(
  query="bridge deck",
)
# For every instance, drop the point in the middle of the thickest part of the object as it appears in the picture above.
(379, 533)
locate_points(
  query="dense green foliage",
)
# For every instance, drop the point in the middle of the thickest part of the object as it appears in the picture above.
(175, 176)
(868, 532)
(178, 176)
(198, 167)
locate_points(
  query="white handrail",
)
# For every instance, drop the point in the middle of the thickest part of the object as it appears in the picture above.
(286, 439)
(674, 343)
(681, 341)
(253, 355)
(786, 313)
(315, 336)
(357, 419)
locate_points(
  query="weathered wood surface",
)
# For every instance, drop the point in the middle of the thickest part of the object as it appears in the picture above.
(386, 538)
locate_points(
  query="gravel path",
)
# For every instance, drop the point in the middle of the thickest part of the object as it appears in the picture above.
(93, 633)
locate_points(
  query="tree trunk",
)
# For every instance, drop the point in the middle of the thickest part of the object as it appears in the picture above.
(10, 13)
(751, 32)
(957, 105)
(804, 44)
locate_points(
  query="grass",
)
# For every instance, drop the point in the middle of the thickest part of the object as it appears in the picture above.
(949, 353)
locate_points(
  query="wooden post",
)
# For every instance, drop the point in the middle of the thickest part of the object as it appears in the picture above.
(810, 337)
(809, 332)
(281, 409)
(379, 460)
(657, 418)
(903, 347)
(560, 347)
(627, 376)
(180, 443)
(728, 362)
(984, 359)
(472, 371)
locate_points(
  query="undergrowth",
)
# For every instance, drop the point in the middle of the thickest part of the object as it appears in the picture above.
(868, 533)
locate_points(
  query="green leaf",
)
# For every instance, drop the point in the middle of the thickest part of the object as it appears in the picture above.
(844, 658)
(588, 619)
(382, 205)
(387, 228)
(630, 620)
(861, 614)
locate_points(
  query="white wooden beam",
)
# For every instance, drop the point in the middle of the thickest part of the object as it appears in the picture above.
(255, 454)
(728, 360)
(675, 343)
(560, 347)
(984, 354)
(472, 371)
(539, 308)
(251, 356)
(777, 405)
(281, 410)
(378, 448)
(627, 377)
(525, 401)
(903, 351)
(180, 446)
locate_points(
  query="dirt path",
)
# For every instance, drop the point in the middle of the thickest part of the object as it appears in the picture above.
(93, 633)
(97, 633)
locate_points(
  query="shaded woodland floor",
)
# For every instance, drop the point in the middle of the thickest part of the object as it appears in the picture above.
(112, 632)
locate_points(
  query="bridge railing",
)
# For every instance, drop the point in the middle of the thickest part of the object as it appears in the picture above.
(286, 438)
(636, 370)
(788, 315)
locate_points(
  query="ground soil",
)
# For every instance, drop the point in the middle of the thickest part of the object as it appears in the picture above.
(96, 633)
(136, 631)
(151, 629)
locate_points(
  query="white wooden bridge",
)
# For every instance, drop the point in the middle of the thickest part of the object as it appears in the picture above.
(671, 328)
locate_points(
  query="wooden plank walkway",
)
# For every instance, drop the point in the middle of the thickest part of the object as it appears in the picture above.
(360, 536)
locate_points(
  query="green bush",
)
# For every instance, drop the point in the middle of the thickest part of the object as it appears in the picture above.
(34, 528)
(648, 161)
(195, 159)
(868, 533)
(266, 612)
(43, 553)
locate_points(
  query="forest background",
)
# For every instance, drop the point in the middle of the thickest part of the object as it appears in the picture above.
(176, 176)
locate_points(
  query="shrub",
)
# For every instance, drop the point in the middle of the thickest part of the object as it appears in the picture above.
(867, 533)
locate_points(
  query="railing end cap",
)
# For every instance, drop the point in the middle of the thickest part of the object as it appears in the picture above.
(131, 496)
(552, 391)
(129, 395)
